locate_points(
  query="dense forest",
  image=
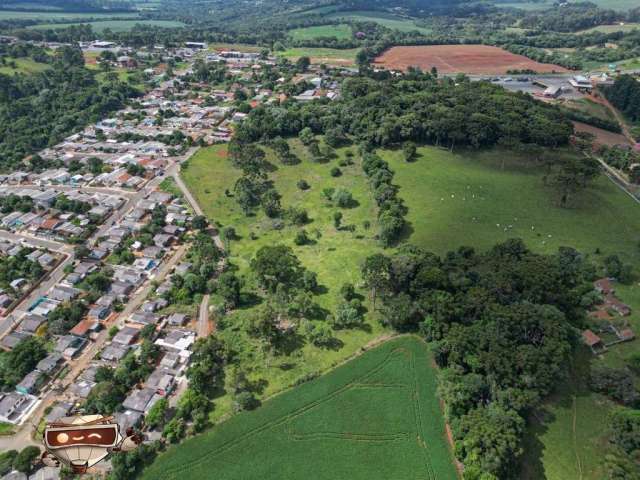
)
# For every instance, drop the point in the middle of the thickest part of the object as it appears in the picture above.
(37, 111)
(503, 326)
(420, 108)
(624, 94)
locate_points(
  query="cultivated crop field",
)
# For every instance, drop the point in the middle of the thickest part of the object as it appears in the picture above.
(472, 59)
(375, 417)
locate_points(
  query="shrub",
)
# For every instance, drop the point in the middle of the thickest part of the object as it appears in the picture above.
(336, 172)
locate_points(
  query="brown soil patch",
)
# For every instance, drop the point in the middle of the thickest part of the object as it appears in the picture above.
(603, 137)
(471, 59)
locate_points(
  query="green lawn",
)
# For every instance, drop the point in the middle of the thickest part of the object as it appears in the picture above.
(388, 20)
(376, 417)
(113, 25)
(341, 32)
(6, 428)
(323, 55)
(23, 65)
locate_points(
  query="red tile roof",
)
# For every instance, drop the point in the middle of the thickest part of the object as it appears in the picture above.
(590, 338)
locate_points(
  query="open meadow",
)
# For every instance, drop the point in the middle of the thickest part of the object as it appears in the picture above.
(376, 416)
(334, 255)
(340, 31)
(60, 15)
(332, 56)
(385, 19)
(618, 27)
(463, 198)
(22, 65)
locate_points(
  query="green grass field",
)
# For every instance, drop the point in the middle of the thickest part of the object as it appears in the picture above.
(385, 19)
(463, 198)
(23, 65)
(336, 256)
(56, 15)
(568, 434)
(113, 25)
(375, 417)
(627, 27)
(468, 199)
(341, 32)
(6, 428)
(323, 55)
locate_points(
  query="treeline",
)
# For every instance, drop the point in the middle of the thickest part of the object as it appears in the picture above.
(624, 94)
(391, 210)
(420, 108)
(38, 111)
(584, 117)
(543, 56)
(502, 324)
(97, 6)
(572, 17)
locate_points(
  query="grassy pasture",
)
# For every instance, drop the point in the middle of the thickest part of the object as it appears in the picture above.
(462, 198)
(323, 55)
(385, 19)
(336, 256)
(627, 27)
(23, 65)
(375, 417)
(467, 198)
(341, 32)
(114, 25)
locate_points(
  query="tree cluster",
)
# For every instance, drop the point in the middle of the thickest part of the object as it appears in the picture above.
(391, 210)
(502, 323)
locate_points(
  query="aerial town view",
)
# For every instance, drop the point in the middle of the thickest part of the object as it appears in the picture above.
(319, 240)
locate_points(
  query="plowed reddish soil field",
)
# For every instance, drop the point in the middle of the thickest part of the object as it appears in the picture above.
(472, 59)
